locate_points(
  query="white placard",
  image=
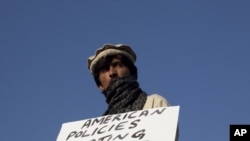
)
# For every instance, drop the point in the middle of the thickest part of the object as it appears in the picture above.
(157, 124)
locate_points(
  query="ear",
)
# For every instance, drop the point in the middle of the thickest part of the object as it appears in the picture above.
(101, 88)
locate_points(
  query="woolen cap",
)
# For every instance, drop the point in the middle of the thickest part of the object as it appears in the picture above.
(110, 49)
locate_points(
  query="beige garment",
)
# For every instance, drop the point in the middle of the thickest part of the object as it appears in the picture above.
(155, 101)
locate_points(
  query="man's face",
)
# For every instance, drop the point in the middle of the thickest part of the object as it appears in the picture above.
(115, 69)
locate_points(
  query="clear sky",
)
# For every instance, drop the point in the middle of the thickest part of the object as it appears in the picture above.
(194, 53)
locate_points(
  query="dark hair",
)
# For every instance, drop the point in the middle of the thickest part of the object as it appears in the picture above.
(104, 63)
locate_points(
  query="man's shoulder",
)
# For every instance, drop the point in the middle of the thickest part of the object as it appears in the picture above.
(156, 100)
(156, 96)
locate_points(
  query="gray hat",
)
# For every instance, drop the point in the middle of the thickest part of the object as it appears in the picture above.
(110, 49)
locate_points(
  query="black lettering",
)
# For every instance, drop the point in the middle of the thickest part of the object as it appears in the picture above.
(103, 138)
(107, 119)
(117, 117)
(158, 111)
(130, 115)
(144, 113)
(87, 124)
(120, 126)
(134, 123)
(78, 134)
(71, 134)
(84, 134)
(94, 131)
(96, 120)
(139, 134)
(124, 116)
(120, 137)
(100, 132)
(111, 127)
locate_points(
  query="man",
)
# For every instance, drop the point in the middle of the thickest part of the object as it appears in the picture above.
(116, 76)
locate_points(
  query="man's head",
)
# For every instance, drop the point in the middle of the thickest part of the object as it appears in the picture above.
(112, 61)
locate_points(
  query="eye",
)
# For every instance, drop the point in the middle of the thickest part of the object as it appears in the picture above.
(120, 64)
(104, 69)
(117, 64)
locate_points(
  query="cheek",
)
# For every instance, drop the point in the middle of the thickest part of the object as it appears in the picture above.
(123, 72)
(104, 78)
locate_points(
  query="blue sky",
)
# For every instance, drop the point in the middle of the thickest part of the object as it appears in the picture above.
(194, 53)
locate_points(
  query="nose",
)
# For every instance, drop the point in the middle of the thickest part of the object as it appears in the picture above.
(112, 72)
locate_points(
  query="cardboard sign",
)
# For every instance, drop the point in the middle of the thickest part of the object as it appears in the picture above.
(157, 124)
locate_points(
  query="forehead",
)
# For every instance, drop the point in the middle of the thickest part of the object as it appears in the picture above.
(106, 61)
